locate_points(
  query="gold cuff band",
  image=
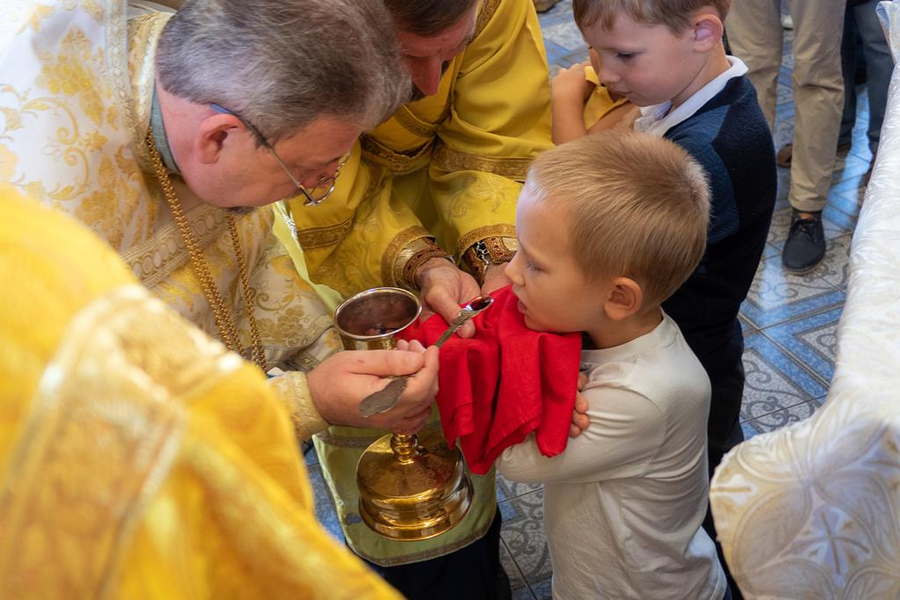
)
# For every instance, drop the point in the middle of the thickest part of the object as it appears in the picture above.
(419, 258)
(487, 252)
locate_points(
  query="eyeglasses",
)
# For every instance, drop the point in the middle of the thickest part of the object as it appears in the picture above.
(315, 196)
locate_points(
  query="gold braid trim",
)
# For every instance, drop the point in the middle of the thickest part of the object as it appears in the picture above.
(511, 167)
(311, 238)
(396, 162)
(427, 250)
(143, 35)
(484, 253)
(488, 8)
(500, 230)
(411, 123)
(294, 390)
(399, 252)
(158, 257)
(321, 237)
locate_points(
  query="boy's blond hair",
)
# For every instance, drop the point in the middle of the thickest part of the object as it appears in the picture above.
(673, 14)
(637, 206)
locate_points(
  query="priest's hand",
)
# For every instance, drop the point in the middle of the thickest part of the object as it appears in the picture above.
(580, 419)
(443, 288)
(341, 381)
(495, 278)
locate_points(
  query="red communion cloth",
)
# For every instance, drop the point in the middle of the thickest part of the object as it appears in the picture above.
(504, 383)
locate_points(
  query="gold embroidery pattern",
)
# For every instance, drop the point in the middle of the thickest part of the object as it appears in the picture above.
(65, 111)
(320, 237)
(488, 8)
(391, 267)
(119, 432)
(501, 230)
(36, 15)
(311, 238)
(156, 259)
(72, 73)
(396, 162)
(20, 109)
(511, 167)
(293, 323)
(143, 35)
(412, 257)
(407, 119)
(294, 390)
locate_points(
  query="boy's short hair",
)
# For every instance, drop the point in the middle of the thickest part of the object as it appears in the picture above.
(673, 14)
(637, 206)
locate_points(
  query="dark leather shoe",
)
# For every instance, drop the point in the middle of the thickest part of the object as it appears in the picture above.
(805, 246)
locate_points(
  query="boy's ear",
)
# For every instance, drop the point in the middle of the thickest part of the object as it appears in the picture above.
(625, 299)
(708, 31)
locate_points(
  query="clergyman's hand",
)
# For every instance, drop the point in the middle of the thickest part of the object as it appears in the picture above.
(495, 278)
(443, 287)
(341, 381)
(580, 419)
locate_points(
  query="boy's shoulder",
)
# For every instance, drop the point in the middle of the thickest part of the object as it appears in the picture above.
(731, 118)
(663, 370)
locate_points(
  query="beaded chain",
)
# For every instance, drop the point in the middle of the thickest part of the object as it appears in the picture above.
(224, 319)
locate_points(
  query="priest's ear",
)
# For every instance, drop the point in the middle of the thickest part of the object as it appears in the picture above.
(214, 133)
(626, 298)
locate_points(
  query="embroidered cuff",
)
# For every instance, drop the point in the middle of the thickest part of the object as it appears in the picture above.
(411, 257)
(489, 251)
(294, 390)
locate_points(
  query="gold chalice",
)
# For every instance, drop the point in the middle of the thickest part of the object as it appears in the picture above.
(412, 487)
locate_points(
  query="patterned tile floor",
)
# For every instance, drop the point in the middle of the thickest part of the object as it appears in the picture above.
(789, 322)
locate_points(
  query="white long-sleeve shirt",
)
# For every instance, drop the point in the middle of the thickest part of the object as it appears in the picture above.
(623, 505)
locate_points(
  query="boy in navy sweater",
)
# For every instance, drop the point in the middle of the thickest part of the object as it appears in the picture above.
(668, 58)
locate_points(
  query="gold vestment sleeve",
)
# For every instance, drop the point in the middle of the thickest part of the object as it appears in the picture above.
(294, 391)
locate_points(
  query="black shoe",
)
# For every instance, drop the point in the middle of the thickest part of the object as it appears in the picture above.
(805, 246)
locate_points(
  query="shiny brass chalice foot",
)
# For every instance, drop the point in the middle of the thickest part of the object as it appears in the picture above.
(412, 487)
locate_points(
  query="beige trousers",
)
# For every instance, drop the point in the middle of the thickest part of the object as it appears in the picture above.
(755, 34)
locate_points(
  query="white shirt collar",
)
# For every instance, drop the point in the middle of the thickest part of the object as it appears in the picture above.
(657, 120)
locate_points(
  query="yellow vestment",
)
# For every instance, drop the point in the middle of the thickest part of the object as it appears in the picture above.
(449, 166)
(139, 458)
(75, 103)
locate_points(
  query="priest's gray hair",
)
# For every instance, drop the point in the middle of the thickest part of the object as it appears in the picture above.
(281, 64)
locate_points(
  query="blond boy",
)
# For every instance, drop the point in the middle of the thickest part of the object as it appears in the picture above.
(608, 227)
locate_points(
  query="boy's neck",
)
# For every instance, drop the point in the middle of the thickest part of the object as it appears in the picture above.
(616, 333)
(716, 64)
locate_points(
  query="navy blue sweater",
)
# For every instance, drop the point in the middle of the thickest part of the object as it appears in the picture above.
(730, 137)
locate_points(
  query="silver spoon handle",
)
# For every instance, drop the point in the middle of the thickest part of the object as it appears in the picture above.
(458, 321)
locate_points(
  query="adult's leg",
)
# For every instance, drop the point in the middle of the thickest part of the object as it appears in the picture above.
(755, 36)
(879, 66)
(818, 99)
(473, 572)
(848, 71)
